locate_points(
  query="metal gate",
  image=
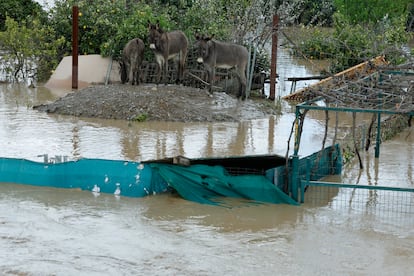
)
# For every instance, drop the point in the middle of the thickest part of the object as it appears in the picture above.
(384, 92)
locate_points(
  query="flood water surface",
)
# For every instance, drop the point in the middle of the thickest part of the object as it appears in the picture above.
(47, 231)
(50, 231)
(28, 133)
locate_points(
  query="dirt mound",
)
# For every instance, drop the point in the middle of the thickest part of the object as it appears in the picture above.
(157, 103)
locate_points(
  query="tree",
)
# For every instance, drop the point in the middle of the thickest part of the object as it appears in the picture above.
(98, 21)
(21, 10)
(29, 53)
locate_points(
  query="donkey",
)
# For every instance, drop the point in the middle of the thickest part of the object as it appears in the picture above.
(166, 46)
(215, 54)
(132, 57)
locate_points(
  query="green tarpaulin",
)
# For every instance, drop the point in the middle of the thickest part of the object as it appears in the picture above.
(206, 184)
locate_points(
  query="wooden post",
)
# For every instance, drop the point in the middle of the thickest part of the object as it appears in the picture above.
(75, 13)
(273, 62)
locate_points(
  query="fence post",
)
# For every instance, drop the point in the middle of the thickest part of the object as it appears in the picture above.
(294, 179)
(308, 178)
(378, 141)
(273, 62)
(75, 14)
(249, 61)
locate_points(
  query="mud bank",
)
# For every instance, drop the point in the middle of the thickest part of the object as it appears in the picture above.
(149, 102)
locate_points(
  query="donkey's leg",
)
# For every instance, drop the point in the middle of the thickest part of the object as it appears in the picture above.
(159, 69)
(180, 73)
(160, 63)
(178, 65)
(132, 72)
(123, 72)
(181, 67)
(126, 71)
(165, 71)
(179, 70)
(241, 73)
(136, 75)
(211, 73)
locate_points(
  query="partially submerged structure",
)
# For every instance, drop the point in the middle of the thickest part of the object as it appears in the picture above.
(338, 80)
(206, 180)
(371, 88)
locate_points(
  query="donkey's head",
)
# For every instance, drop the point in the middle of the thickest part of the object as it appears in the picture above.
(154, 36)
(203, 47)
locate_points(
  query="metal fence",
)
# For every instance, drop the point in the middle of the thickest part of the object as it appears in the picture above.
(381, 201)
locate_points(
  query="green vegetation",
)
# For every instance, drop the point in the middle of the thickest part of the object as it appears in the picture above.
(361, 30)
(22, 10)
(140, 118)
(28, 50)
(35, 40)
(348, 154)
(368, 11)
(311, 12)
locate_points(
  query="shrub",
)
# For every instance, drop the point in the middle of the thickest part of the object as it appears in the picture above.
(351, 44)
(30, 53)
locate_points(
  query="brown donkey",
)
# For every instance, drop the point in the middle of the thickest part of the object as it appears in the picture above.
(132, 57)
(215, 54)
(166, 46)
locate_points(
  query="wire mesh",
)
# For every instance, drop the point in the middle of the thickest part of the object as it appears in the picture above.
(379, 202)
(242, 171)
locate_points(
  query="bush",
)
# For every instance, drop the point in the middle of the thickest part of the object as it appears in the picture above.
(319, 44)
(315, 13)
(351, 44)
(30, 53)
(372, 11)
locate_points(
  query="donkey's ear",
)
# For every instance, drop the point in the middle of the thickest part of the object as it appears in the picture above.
(157, 24)
(197, 36)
